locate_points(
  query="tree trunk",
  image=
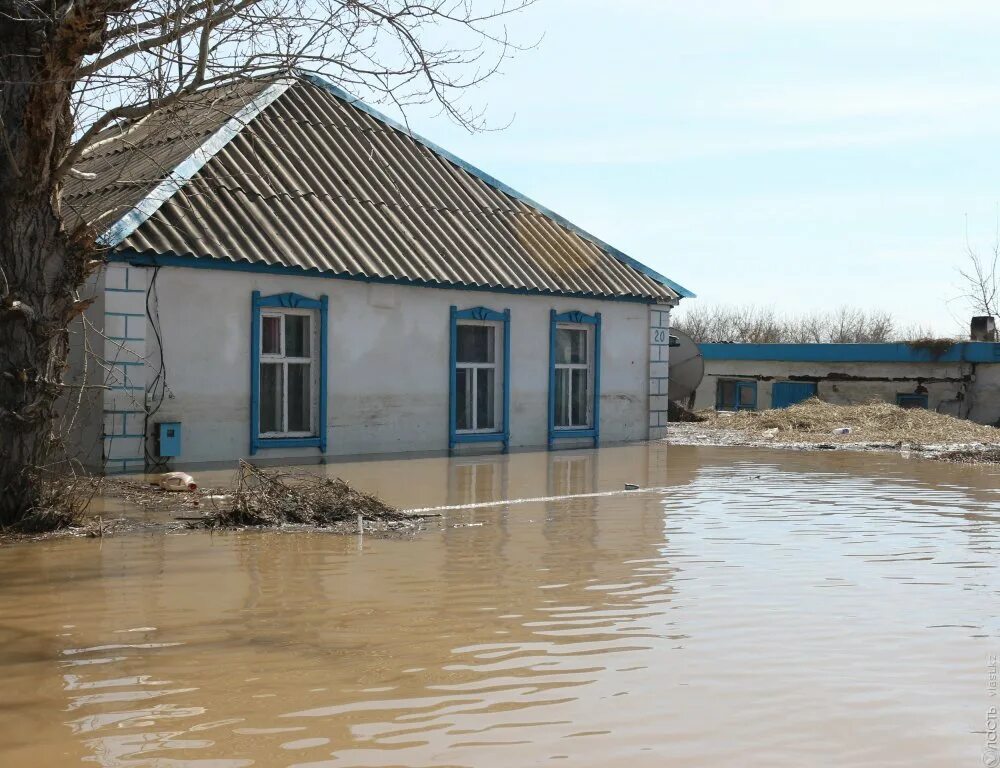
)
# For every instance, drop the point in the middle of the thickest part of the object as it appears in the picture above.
(34, 256)
(41, 265)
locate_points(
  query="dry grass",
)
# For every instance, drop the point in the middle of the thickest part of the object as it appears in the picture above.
(62, 503)
(875, 422)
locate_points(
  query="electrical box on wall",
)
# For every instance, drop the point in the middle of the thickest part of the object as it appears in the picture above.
(168, 439)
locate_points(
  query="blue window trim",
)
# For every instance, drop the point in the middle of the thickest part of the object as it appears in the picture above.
(556, 433)
(454, 436)
(290, 301)
(740, 384)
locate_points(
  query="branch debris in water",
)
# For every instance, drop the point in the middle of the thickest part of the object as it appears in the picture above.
(275, 498)
(62, 504)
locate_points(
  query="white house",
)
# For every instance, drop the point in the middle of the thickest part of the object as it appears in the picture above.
(292, 274)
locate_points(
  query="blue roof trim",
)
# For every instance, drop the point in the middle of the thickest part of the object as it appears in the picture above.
(960, 352)
(343, 95)
(188, 167)
(151, 259)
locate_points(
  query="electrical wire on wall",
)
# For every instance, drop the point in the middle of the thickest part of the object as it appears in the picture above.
(157, 390)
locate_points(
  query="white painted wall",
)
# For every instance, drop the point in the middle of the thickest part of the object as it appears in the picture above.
(388, 362)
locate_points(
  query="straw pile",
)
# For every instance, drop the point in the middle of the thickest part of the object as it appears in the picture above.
(274, 498)
(875, 422)
(987, 456)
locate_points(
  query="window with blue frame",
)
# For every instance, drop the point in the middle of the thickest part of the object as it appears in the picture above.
(911, 400)
(480, 376)
(574, 376)
(288, 371)
(735, 395)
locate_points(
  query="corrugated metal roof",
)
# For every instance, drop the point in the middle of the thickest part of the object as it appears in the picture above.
(323, 182)
(123, 166)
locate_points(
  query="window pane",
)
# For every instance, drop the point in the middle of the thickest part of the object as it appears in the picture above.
(727, 394)
(476, 343)
(485, 398)
(571, 346)
(270, 335)
(270, 397)
(562, 397)
(297, 336)
(463, 398)
(578, 407)
(299, 397)
(747, 395)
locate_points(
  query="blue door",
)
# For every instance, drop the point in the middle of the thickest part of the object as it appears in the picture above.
(786, 393)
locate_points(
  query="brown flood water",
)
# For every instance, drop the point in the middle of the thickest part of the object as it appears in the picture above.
(757, 609)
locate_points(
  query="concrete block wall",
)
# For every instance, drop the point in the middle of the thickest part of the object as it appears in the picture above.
(659, 353)
(984, 395)
(124, 361)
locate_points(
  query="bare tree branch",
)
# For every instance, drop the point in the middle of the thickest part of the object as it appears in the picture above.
(980, 280)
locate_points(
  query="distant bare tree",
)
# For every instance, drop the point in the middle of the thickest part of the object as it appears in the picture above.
(808, 329)
(917, 332)
(880, 327)
(980, 279)
(762, 325)
(74, 71)
(749, 324)
(848, 325)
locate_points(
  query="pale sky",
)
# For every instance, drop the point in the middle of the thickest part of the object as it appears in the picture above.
(802, 155)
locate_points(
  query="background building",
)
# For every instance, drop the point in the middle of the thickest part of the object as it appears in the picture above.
(961, 379)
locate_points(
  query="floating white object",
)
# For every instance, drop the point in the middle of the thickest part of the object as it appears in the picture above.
(177, 481)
